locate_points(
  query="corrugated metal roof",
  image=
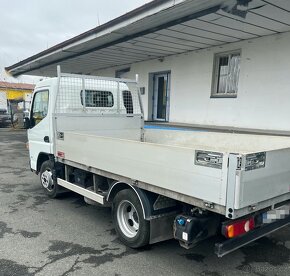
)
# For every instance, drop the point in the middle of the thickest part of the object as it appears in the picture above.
(159, 29)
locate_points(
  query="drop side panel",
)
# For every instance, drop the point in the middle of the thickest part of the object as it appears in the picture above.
(169, 167)
(265, 183)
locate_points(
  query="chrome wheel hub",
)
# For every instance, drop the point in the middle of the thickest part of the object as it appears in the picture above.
(47, 181)
(128, 219)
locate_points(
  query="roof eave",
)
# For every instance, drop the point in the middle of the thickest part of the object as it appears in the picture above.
(111, 23)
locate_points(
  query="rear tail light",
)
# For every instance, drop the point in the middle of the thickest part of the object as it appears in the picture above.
(237, 228)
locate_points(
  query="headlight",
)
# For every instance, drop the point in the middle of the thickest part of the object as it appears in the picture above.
(209, 159)
(255, 161)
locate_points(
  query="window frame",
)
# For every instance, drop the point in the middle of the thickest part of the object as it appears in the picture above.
(216, 74)
(33, 104)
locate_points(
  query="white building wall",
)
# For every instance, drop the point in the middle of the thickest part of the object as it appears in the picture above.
(263, 100)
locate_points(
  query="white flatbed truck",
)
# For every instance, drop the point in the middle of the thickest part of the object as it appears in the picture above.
(86, 134)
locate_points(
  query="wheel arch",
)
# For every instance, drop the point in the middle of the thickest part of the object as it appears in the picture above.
(141, 194)
(42, 157)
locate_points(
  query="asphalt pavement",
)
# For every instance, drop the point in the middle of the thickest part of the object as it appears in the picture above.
(42, 236)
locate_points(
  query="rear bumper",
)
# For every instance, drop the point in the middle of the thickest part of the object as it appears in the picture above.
(230, 245)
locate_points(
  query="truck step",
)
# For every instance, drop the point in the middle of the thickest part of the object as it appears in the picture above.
(82, 191)
(92, 202)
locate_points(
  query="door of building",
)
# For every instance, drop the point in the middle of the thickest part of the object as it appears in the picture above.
(161, 96)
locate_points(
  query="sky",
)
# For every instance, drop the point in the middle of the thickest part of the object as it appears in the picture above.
(30, 26)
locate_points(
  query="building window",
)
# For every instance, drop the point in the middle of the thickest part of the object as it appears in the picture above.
(226, 74)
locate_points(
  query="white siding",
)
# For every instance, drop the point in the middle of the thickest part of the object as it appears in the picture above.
(263, 100)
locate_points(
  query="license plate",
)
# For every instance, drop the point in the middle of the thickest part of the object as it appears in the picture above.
(276, 214)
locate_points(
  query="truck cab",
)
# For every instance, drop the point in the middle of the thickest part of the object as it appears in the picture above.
(39, 123)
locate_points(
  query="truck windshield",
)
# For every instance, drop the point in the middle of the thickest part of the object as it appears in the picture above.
(39, 107)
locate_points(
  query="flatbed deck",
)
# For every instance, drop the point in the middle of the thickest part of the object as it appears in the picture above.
(213, 128)
(165, 160)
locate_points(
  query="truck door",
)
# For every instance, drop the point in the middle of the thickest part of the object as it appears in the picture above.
(39, 132)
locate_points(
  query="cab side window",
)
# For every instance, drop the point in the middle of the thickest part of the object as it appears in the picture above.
(128, 101)
(39, 107)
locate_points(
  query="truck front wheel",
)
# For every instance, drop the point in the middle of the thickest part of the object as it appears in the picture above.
(133, 230)
(46, 179)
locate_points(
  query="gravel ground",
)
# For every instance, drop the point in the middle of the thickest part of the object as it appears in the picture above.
(41, 236)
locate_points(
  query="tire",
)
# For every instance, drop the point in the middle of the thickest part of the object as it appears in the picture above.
(133, 230)
(46, 180)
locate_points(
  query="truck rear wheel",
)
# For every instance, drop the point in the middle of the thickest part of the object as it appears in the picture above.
(133, 230)
(46, 179)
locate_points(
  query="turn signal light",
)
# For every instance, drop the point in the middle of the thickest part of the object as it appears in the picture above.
(238, 228)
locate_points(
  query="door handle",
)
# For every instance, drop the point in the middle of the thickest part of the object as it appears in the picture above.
(46, 139)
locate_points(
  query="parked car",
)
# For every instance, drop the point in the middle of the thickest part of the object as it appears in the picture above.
(5, 118)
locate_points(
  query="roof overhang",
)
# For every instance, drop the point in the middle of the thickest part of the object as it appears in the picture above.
(158, 29)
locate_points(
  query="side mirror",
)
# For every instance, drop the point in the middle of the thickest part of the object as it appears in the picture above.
(27, 123)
